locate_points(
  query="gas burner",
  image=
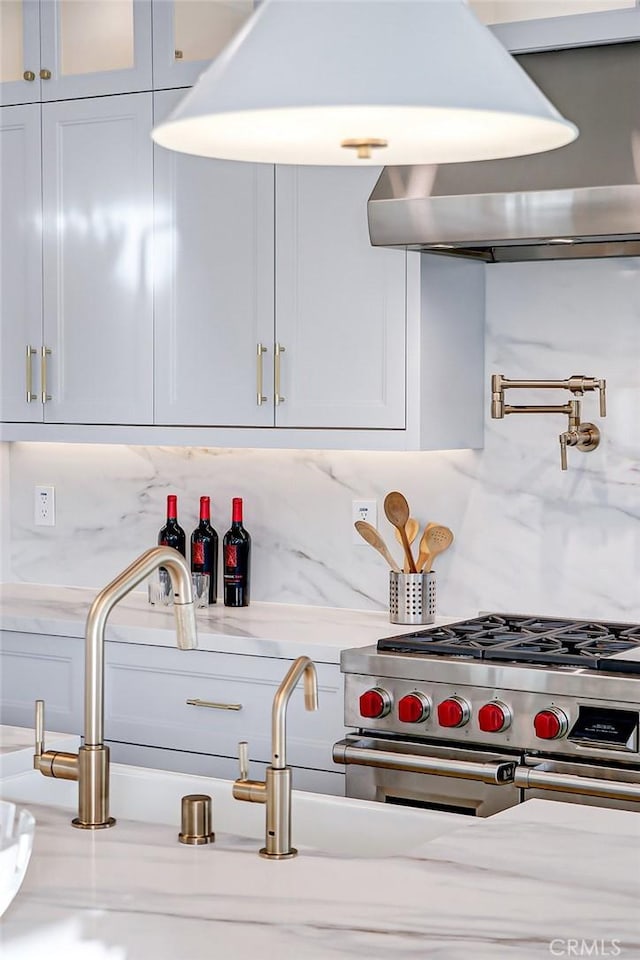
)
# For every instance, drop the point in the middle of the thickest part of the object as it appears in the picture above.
(521, 640)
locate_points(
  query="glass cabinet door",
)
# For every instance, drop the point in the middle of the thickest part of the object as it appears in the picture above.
(189, 34)
(95, 47)
(19, 51)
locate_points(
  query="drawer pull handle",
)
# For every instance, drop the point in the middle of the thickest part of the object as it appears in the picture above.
(214, 706)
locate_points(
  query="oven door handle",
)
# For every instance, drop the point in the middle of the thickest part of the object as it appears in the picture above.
(350, 752)
(532, 778)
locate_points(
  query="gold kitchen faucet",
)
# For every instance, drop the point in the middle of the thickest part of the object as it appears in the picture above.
(275, 790)
(90, 766)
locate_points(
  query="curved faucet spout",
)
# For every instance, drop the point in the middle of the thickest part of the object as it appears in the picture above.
(109, 596)
(303, 665)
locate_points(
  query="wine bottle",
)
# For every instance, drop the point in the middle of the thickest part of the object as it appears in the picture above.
(237, 560)
(204, 548)
(172, 534)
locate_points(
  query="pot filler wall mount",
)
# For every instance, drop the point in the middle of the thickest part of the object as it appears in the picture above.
(583, 436)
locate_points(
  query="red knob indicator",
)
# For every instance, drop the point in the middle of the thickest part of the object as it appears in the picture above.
(494, 717)
(375, 703)
(453, 712)
(550, 724)
(413, 708)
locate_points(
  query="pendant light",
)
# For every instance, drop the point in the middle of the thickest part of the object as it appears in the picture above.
(364, 82)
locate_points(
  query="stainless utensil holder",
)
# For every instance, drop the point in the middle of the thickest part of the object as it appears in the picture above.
(412, 597)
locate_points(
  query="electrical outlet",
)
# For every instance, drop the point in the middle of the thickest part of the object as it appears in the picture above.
(44, 507)
(363, 510)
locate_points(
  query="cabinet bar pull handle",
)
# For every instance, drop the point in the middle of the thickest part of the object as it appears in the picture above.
(260, 398)
(31, 396)
(45, 74)
(214, 706)
(46, 352)
(278, 398)
(29, 75)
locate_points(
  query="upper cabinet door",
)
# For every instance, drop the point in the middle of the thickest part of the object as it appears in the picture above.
(90, 48)
(20, 263)
(340, 305)
(213, 288)
(98, 223)
(19, 51)
(188, 34)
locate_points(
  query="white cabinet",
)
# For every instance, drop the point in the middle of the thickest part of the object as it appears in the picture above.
(188, 34)
(19, 51)
(213, 287)
(39, 667)
(148, 721)
(340, 305)
(527, 25)
(20, 263)
(59, 49)
(98, 225)
(148, 690)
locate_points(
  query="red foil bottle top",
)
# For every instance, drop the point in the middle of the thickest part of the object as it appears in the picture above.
(205, 508)
(236, 511)
(172, 507)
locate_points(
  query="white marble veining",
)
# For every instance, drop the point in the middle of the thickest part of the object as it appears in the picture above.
(262, 629)
(529, 538)
(517, 886)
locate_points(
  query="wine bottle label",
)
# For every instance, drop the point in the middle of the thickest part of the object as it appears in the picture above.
(198, 553)
(231, 555)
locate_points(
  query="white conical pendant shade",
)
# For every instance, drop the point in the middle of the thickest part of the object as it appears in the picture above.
(423, 79)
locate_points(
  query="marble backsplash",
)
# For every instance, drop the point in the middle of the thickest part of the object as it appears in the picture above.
(529, 538)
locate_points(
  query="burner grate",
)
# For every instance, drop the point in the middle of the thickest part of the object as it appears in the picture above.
(518, 639)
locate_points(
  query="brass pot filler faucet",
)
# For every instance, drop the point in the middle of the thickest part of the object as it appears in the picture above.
(90, 766)
(584, 436)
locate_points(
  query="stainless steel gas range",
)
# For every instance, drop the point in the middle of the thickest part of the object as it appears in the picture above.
(482, 714)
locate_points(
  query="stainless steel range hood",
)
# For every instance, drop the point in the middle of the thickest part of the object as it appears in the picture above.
(582, 200)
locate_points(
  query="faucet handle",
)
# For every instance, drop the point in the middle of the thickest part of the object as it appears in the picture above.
(39, 728)
(243, 759)
(602, 389)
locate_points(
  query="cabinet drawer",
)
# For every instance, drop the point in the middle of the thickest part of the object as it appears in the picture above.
(147, 688)
(35, 667)
(225, 768)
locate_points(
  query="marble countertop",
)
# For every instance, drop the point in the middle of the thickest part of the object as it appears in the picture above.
(17, 745)
(262, 629)
(523, 885)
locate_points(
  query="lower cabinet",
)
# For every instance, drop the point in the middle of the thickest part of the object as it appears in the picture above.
(177, 710)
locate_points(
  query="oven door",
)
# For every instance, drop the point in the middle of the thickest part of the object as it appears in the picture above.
(548, 778)
(418, 774)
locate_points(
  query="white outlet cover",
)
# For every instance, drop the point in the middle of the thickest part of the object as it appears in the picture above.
(44, 506)
(363, 510)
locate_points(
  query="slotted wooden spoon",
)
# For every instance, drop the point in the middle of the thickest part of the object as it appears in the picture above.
(412, 527)
(396, 511)
(372, 537)
(424, 554)
(439, 539)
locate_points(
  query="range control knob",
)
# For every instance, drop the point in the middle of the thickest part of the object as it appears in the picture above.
(453, 712)
(375, 703)
(550, 724)
(494, 717)
(413, 708)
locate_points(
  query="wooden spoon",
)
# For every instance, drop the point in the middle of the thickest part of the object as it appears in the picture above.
(439, 539)
(396, 511)
(424, 555)
(411, 528)
(372, 537)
